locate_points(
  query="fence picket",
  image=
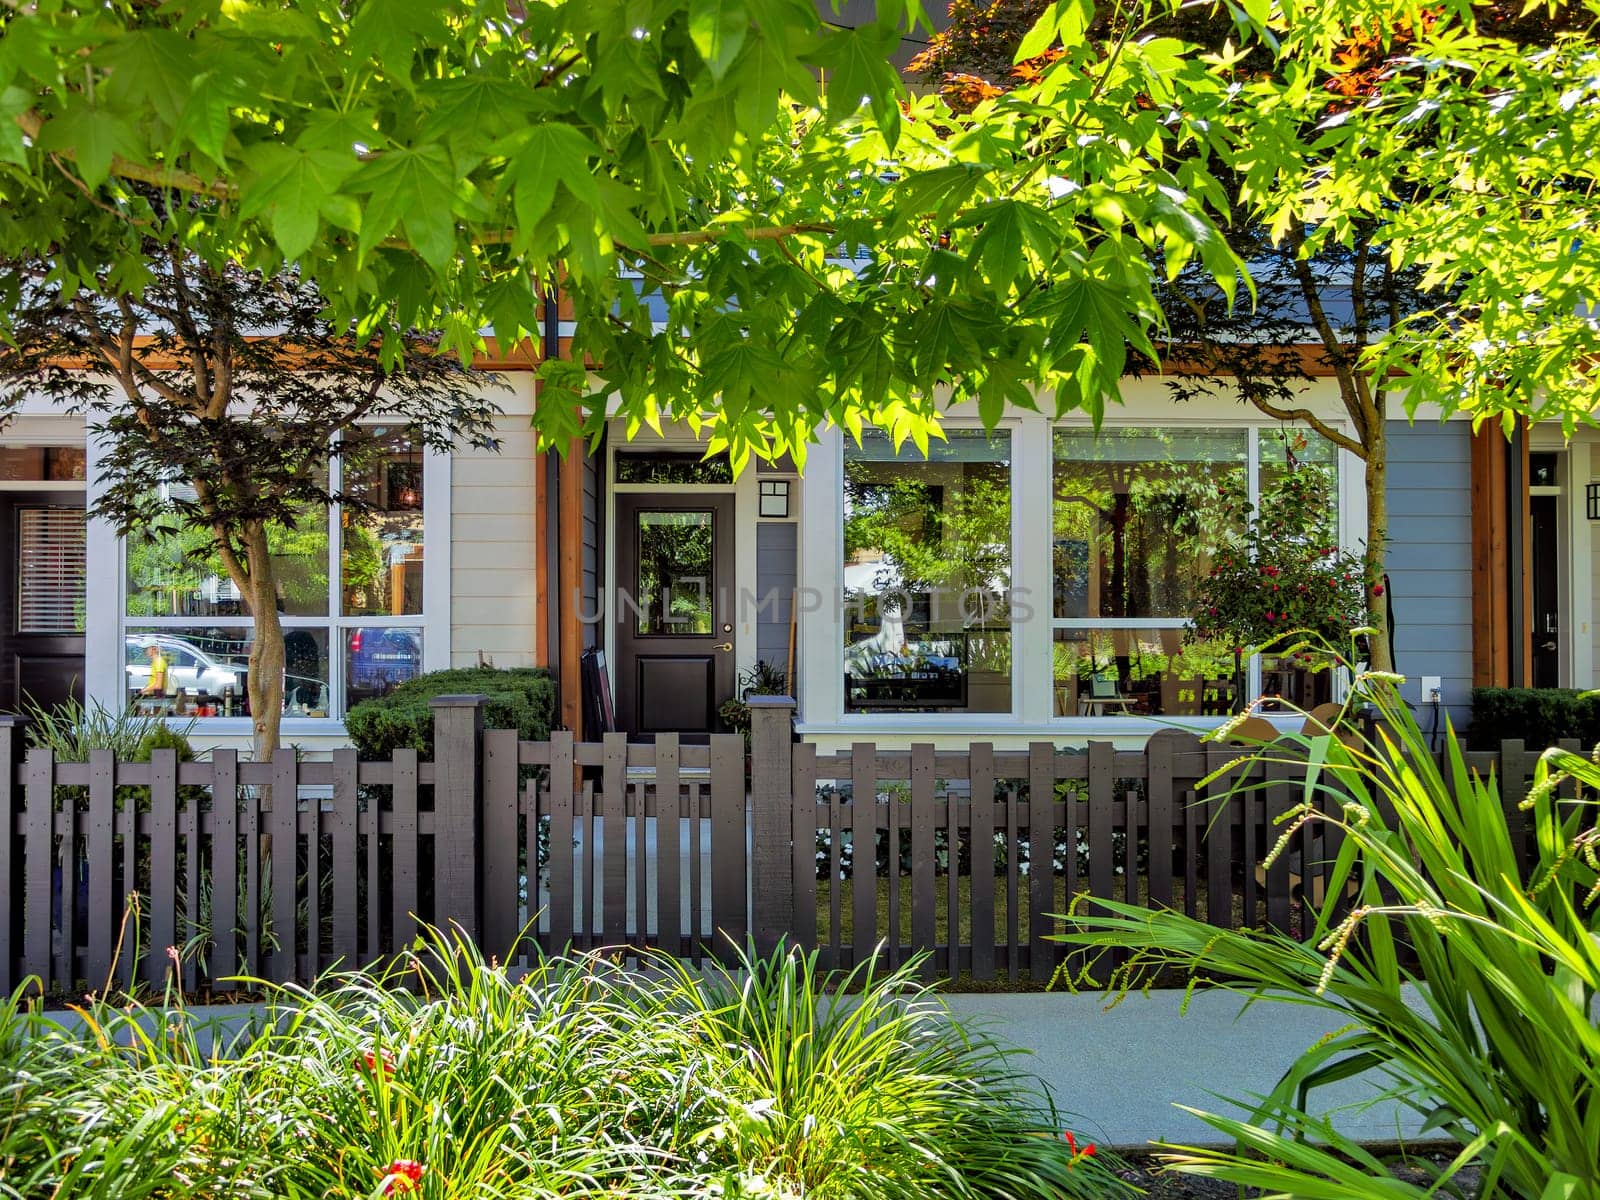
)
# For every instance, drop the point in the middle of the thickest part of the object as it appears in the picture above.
(924, 919)
(314, 914)
(1218, 840)
(1013, 867)
(951, 814)
(285, 867)
(1277, 800)
(163, 863)
(614, 840)
(729, 897)
(864, 849)
(255, 914)
(223, 960)
(498, 855)
(1102, 802)
(345, 862)
(100, 836)
(980, 860)
(406, 848)
(669, 847)
(803, 844)
(1159, 766)
(833, 958)
(1041, 858)
(561, 849)
(38, 862)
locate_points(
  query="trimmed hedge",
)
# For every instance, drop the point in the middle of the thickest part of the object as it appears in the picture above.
(520, 698)
(1539, 716)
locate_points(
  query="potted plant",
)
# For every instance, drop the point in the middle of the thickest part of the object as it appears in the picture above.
(763, 679)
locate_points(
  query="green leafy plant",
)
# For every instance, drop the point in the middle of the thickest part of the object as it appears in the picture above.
(520, 698)
(1539, 716)
(579, 1078)
(1460, 976)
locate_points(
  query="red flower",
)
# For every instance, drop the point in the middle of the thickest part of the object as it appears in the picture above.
(404, 1175)
(1086, 1151)
(1377, 589)
(381, 1064)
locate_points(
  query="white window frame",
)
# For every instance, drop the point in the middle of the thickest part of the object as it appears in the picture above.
(433, 621)
(822, 708)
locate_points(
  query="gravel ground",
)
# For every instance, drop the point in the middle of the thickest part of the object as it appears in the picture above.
(1145, 1173)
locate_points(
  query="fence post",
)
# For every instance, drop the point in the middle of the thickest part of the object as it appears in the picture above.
(771, 820)
(13, 740)
(458, 812)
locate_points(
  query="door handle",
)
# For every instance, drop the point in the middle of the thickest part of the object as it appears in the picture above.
(725, 647)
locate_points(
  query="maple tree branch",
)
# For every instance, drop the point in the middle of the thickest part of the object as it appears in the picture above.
(186, 181)
(1343, 440)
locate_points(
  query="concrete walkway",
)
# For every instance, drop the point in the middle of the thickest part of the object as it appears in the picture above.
(1117, 1073)
(1120, 1071)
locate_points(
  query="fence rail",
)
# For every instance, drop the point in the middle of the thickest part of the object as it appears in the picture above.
(282, 869)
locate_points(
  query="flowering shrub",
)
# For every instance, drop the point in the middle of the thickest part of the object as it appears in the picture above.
(444, 1076)
(1285, 573)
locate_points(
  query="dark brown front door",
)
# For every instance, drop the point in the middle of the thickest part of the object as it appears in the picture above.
(1545, 555)
(42, 599)
(674, 609)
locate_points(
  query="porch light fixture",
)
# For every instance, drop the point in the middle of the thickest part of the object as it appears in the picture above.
(775, 498)
(1591, 495)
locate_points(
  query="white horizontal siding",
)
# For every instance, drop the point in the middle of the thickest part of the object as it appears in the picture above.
(494, 551)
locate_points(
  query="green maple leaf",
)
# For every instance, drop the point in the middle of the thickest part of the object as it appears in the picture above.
(857, 61)
(293, 187)
(151, 67)
(544, 156)
(415, 188)
(92, 137)
(718, 29)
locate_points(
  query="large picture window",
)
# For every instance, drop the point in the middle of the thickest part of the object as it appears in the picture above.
(1137, 515)
(349, 598)
(927, 574)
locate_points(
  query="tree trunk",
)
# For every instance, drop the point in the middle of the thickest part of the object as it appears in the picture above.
(265, 685)
(1376, 477)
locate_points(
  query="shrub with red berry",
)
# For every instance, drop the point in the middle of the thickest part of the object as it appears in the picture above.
(1284, 572)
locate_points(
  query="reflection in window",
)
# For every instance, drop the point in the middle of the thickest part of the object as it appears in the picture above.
(199, 671)
(1111, 672)
(667, 466)
(378, 660)
(675, 557)
(381, 553)
(1138, 513)
(927, 574)
(177, 572)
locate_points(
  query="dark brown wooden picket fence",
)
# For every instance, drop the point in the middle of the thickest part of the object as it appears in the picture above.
(284, 869)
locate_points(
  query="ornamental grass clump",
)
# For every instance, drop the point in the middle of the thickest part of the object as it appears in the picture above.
(446, 1076)
(1460, 975)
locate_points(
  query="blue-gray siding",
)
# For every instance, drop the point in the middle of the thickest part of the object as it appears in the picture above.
(776, 544)
(1430, 559)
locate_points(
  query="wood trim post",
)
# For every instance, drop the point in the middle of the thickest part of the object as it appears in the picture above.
(458, 812)
(1491, 575)
(13, 740)
(570, 598)
(771, 819)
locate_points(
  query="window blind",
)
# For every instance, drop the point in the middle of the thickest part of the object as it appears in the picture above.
(50, 570)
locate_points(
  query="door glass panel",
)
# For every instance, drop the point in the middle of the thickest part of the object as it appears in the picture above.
(673, 597)
(50, 570)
